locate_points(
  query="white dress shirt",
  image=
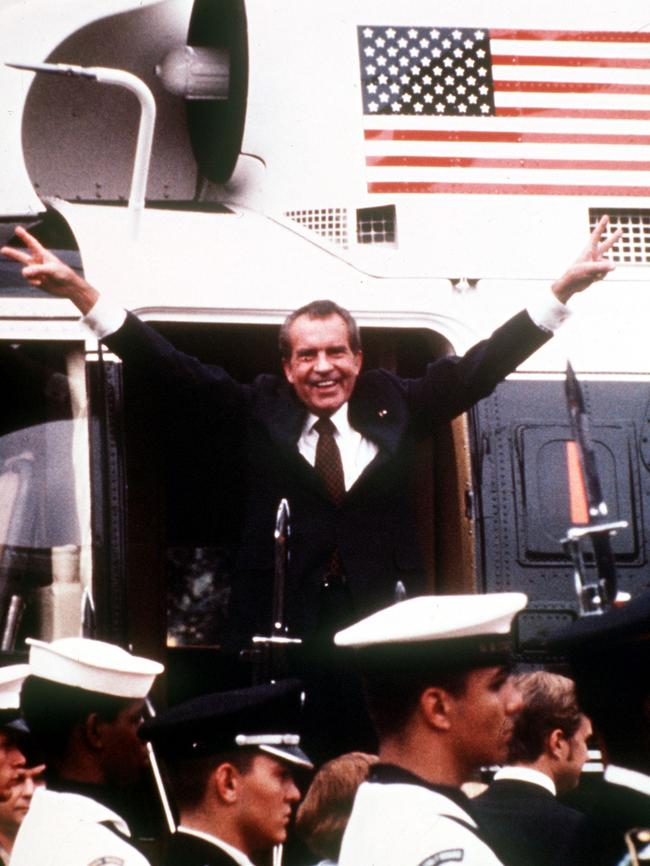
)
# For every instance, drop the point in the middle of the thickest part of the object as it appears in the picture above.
(237, 855)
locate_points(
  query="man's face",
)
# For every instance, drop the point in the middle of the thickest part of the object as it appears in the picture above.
(267, 795)
(124, 753)
(322, 368)
(12, 763)
(576, 753)
(483, 717)
(15, 808)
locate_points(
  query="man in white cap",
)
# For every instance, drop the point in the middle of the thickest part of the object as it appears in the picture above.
(83, 704)
(436, 671)
(231, 759)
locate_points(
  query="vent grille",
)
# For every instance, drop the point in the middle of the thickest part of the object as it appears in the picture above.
(330, 223)
(376, 225)
(634, 246)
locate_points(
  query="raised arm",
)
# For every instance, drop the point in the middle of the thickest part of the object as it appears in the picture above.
(46, 271)
(590, 266)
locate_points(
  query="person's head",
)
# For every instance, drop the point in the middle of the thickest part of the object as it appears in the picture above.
(244, 796)
(83, 704)
(323, 815)
(321, 355)
(550, 730)
(14, 809)
(437, 680)
(12, 729)
(231, 759)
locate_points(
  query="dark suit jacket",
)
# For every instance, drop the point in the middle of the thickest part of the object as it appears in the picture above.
(611, 811)
(185, 850)
(525, 825)
(374, 529)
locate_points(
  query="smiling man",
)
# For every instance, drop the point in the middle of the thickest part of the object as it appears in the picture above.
(231, 758)
(335, 441)
(437, 680)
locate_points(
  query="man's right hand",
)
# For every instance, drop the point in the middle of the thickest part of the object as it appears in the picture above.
(46, 271)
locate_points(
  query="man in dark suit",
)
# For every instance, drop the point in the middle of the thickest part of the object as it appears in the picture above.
(610, 659)
(519, 815)
(336, 442)
(231, 759)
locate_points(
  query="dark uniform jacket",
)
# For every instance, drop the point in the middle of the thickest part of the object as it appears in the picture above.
(374, 529)
(184, 849)
(525, 825)
(611, 812)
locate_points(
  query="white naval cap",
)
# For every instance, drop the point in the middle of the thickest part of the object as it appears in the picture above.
(11, 680)
(474, 626)
(92, 665)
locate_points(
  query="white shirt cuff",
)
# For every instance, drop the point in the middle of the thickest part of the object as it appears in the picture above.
(104, 318)
(547, 312)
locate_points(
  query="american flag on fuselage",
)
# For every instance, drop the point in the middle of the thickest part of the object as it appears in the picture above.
(472, 110)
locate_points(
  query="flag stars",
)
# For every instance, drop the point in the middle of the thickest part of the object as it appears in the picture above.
(436, 52)
(391, 33)
(480, 52)
(405, 78)
(403, 43)
(461, 89)
(371, 88)
(439, 89)
(437, 71)
(446, 43)
(418, 107)
(485, 109)
(428, 98)
(413, 34)
(414, 52)
(425, 61)
(426, 79)
(468, 44)
(396, 106)
(450, 98)
(373, 106)
(415, 70)
(472, 99)
(479, 34)
(406, 97)
(458, 52)
(462, 108)
(470, 62)
(394, 88)
(449, 80)
(460, 71)
(483, 90)
(434, 34)
(368, 32)
(481, 72)
(379, 42)
(391, 51)
(371, 69)
(393, 69)
(440, 107)
(403, 61)
(382, 79)
(447, 61)
(417, 89)
(457, 34)
(369, 51)
(384, 97)
(424, 42)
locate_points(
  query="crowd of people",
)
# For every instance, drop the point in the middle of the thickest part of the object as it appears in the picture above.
(445, 704)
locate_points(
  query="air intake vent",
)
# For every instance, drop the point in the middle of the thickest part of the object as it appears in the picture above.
(376, 225)
(634, 247)
(330, 223)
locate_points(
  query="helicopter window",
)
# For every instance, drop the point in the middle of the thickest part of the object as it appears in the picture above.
(44, 501)
(377, 225)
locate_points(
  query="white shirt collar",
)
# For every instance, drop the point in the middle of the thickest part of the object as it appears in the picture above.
(339, 419)
(526, 774)
(237, 855)
(629, 778)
